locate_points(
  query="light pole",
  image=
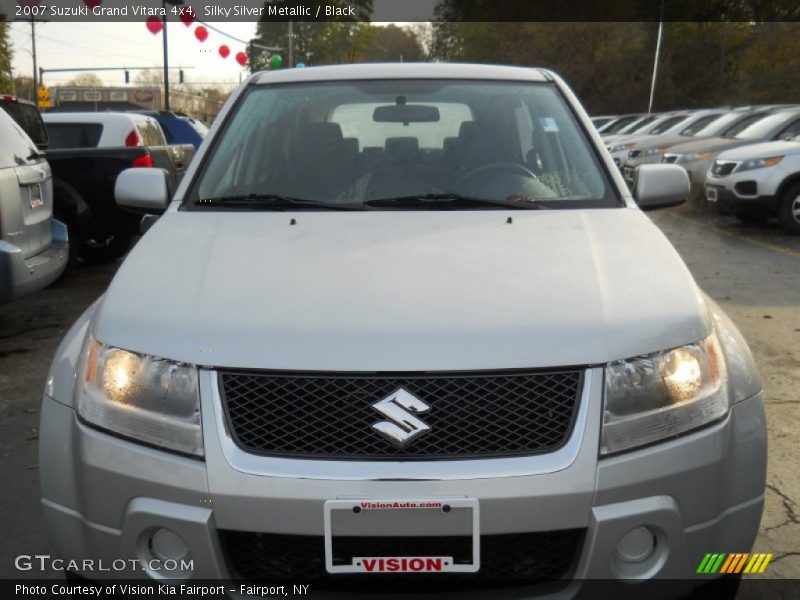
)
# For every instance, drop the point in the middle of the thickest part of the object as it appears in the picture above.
(164, 4)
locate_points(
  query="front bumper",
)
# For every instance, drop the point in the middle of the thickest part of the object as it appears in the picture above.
(20, 276)
(703, 492)
(753, 191)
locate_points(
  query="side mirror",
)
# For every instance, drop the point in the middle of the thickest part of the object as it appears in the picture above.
(142, 190)
(660, 186)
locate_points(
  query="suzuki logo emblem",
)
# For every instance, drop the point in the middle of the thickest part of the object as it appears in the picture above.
(400, 408)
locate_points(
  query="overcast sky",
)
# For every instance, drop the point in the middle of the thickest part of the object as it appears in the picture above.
(74, 45)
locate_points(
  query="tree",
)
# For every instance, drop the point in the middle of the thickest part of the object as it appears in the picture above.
(393, 43)
(23, 87)
(85, 80)
(6, 54)
(152, 77)
(318, 42)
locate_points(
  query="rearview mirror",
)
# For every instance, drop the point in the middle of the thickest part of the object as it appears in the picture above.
(142, 190)
(660, 186)
(406, 113)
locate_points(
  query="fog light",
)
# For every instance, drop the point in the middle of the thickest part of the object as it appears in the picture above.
(168, 545)
(636, 546)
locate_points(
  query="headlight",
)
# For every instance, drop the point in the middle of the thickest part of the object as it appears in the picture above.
(661, 395)
(694, 156)
(141, 397)
(654, 151)
(759, 163)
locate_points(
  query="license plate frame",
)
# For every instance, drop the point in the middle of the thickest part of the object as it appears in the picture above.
(35, 198)
(383, 504)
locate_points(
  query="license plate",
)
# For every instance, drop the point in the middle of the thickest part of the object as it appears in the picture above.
(711, 194)
(35, 195)
(368, 535)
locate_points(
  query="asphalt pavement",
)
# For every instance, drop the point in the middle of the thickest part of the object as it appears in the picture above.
(752, 272)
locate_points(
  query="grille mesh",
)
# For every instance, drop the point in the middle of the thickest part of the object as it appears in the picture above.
(332, 416)
(519, 558)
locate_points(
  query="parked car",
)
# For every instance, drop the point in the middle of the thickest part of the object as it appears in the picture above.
(653, 148)
(600, 121)
(178, 129)
(662, 124)
(618, 123)
(87, 151)
(396, 313)
(33, 245)
(637, 125)
(697, 156)
(759, 181)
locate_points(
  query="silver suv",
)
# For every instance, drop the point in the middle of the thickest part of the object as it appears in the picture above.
(33, 245)
(404, 319)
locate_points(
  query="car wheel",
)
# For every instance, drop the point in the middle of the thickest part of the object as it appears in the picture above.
(99, 252)
(751, 218)
(789, 209)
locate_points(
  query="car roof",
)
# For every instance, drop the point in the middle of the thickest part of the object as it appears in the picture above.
(93, 117)
(401, 71)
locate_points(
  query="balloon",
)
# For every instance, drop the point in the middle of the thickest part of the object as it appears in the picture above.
(155, 25)
(187, 16)
(224, 51)
(275, 61)
(201, 33)
(241, 58)
(92, 3)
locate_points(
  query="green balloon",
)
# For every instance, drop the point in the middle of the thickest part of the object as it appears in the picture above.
(275, 62)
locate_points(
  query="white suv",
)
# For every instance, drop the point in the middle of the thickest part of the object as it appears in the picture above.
(404, 319)
(759, 181)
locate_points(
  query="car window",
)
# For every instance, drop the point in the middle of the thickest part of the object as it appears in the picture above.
(639, 125)
(699, 125)
(716, 126)
(27, 117)
(17, 147)
(350, 142)
(666, 125)
(73, 135)
(792, 130)
(151, 133)
(617, 124)
(763, 128)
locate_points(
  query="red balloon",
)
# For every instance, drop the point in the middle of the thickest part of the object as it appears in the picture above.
(201, 33)
(187, 16)
(241, 58)
(92, 3)
(155, 25)
(224, 51)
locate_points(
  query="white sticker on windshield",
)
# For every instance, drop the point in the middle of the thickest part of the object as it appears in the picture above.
(548, 124)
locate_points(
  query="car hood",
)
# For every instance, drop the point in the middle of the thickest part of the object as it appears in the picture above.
(401, 290)
(763, 150)
(715, 144)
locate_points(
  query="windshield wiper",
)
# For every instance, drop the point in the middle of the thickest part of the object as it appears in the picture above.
(451, 201)
(277, 202)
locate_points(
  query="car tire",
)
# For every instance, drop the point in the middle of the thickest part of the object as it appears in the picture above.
(789, 209)
(96, 253)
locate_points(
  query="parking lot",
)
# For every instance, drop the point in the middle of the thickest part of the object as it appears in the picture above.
(753, 272)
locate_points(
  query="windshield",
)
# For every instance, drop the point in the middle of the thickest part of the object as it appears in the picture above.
(763, 128)
(666, 125)
(617, 124)
(717, 126)
(639, 125)
(375, 141)
(700, 124)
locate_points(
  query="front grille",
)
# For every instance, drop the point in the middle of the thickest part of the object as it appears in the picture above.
(721, 169)
(515, 559)
(470, 415)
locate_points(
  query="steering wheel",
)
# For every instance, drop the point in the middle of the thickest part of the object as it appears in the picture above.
(516, 168)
